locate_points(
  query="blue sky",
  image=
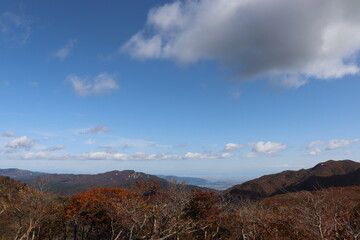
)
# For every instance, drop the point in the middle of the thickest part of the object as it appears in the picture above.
(211, 88)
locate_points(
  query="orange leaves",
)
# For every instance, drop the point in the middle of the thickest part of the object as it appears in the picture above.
(90, 204)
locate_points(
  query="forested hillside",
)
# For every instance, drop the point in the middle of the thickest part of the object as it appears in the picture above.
(149, 211)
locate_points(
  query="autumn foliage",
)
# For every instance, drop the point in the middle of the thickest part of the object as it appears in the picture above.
(176, 213)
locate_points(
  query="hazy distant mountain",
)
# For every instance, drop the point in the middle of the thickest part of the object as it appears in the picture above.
(200, 182)
(323, 175)
(19, 174)
(188, 180)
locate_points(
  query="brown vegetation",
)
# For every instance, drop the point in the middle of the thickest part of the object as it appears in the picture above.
(175, 213)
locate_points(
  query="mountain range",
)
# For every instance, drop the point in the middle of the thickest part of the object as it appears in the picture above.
(324, 175)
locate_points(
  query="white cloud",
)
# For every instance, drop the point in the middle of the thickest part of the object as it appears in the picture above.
(292, 41)
(8, 134)
(316, 143)
(36, 155)
(21, 142)
(268, 147)
(14, 28)
(137, 156)
(102, 156)
(55, 148)
(233, 146)
(47, 156)
(226, 155)
(65, 51)
(95, 130)
(192, 155)
(340, 143)
(315, 152)
(156, 156)
(103, 83)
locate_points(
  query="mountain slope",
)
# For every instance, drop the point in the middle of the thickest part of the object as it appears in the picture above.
(323, 175)
(319, 182)
(71, 183)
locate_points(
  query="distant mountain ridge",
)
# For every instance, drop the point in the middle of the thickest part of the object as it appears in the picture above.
(80, 182)
(324, 175)
(327, 174)
(201, 182)
(16, 173)
(70, 183)
(188, 180)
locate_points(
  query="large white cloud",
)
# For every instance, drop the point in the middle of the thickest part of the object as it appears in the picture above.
(101, 84)
(290, 40)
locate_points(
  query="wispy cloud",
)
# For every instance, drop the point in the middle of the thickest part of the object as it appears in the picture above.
(315, 152)
(5, 83)
(33, 84)
(340, 143)
(192, 155)
(250, 155)
(292, 41)
(14, 27)
(129, 143)
(65, 51)
(233, 146)
(108, 149)
(8, 134)
(90, 141)
(23, 142)
(55, 148)
(95, 130)
(137, 156)
(316, 143)
(103, 83)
